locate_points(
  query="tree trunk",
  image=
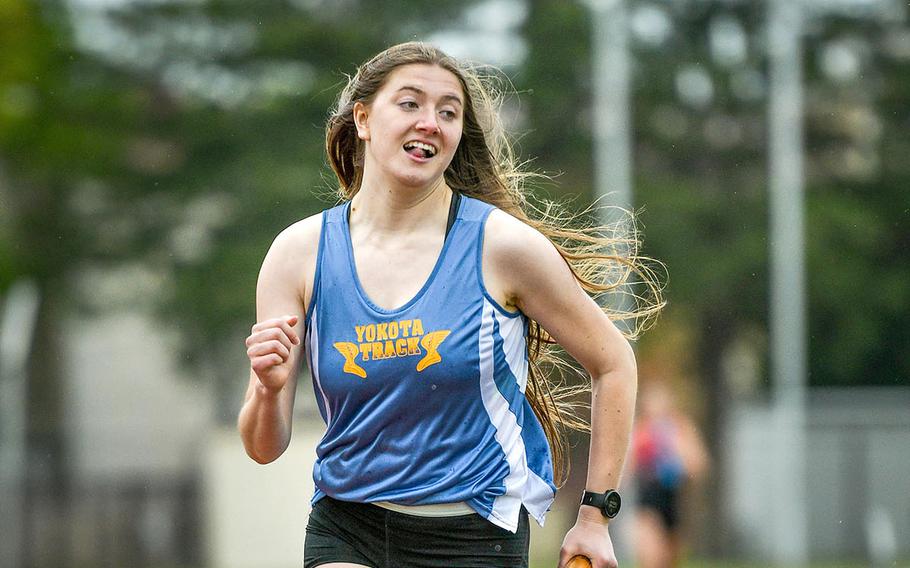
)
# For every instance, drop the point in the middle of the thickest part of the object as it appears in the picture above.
(716, 331)
(46, 498)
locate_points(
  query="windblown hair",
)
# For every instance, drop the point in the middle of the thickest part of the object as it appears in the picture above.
(604, 259)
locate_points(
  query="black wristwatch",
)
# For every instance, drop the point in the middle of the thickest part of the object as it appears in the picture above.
(608, 503)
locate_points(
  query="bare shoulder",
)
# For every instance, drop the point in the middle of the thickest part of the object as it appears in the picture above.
(523, 269)
(294, 247)
(510, 240)
(287, 273)
(516, 257)
(300, 238)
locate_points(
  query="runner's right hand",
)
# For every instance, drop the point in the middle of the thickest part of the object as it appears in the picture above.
(269, 347)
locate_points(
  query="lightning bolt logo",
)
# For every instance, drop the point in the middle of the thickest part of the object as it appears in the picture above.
(349, 351)
(431, 343)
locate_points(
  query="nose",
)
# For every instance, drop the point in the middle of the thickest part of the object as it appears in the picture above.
(428, 123)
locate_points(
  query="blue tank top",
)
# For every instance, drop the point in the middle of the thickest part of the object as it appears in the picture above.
(424, 404)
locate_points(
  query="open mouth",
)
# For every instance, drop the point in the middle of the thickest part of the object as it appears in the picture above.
(419, 149)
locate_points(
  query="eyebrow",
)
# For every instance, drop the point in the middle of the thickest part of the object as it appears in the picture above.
(419, 91)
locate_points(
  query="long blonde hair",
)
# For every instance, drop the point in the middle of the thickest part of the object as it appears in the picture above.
(604, 260)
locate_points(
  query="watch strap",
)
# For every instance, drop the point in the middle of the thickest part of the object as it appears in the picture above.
(593, 499)
(609, 502)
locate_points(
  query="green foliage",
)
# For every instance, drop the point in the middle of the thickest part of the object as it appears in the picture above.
(554, 82)
(189, 145)
(701, 177)
(185, 147)
(858, 222)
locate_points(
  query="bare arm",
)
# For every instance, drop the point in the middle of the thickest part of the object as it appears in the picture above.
(274, 344)
(528, 272)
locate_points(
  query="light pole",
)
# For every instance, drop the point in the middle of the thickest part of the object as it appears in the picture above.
(611, 115)
(786, 19)
(788, 287)
(610, 112)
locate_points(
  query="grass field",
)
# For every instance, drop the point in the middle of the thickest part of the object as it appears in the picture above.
(905, 563)
(719, 564)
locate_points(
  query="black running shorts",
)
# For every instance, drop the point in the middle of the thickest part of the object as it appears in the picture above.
(361, 533)
(662, 500)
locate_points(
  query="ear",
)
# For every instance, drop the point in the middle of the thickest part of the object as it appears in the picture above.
(361, 120)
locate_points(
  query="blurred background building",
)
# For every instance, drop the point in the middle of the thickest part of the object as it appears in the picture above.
(151, 149)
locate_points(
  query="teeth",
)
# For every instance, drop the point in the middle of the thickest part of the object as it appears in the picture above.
(429, 149)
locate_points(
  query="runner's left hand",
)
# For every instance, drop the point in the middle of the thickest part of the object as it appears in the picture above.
(589, 537)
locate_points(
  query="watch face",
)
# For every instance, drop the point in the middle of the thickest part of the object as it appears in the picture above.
(612, 503)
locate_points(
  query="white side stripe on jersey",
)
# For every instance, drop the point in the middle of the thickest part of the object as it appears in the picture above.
(312, 348)
(508, 433)
(537, 495)
(512, 331)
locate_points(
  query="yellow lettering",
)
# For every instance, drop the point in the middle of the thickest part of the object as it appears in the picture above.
(402, 338)
(431, 342)
(349, 352)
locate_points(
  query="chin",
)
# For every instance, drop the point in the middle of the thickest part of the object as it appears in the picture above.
(417, 181)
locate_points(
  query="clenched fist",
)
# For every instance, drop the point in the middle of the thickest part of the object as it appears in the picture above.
(269, 348)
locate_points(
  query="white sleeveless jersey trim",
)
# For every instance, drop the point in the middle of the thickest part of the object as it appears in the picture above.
(521, 484)
(512, 330)
(537, 495)
(313, 357)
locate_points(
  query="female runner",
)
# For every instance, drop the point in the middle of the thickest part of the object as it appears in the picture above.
(424, 305)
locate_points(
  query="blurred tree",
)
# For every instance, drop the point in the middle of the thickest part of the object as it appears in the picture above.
(693, 195)
(555, 82)
(51, 135)
(149, 154)
(230, 150)
(859, 218)
(699, 105)
(165, 143)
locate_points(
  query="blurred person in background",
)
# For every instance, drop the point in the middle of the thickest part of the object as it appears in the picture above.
(420, 303)
(667, 454)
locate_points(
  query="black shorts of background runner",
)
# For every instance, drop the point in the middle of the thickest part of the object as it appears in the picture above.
(662, 500)
(361, 533)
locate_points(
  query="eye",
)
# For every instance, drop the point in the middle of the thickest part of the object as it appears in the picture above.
(408, 105)
(449, 114)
